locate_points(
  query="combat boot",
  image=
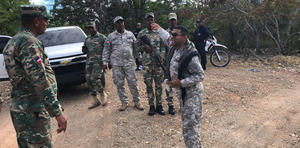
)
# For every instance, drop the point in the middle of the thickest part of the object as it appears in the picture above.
(103, 98)
(151, 110)
(160, 110)
(139, 106)
(95, 103)
(123, 107)
(171, 110)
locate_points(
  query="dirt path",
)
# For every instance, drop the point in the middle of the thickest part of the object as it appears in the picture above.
(240, 109)
(272, 121)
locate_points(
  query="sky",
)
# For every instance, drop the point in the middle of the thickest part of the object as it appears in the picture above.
(48, 3)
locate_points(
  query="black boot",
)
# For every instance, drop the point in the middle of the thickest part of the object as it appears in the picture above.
(172, 110)
(160, 110)
(151, 110)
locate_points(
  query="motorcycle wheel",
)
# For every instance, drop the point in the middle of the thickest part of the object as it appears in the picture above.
(219, 57)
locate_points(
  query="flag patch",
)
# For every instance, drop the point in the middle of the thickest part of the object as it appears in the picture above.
(38, 59)
(170, 42)
(107, 42)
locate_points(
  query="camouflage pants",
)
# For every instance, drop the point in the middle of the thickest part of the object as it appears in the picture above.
(93, 75)
(153, 74)
(32, 129)
(119, 75)
(191, 118)
(169, 99)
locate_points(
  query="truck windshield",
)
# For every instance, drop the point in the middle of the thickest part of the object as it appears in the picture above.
(3, 41)
(61, 37)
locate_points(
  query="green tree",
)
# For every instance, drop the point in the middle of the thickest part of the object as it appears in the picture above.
(10, 19)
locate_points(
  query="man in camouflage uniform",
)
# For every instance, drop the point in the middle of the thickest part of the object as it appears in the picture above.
(93, 47)
(172, 17)
(187, 76)
(118, 53)
(34, 89)
(152, 68)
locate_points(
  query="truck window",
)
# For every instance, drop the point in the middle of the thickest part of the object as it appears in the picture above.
(61, 37)
(3, 41)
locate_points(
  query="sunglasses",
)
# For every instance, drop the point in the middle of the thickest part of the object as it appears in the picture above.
(120, 22)
(175, 34)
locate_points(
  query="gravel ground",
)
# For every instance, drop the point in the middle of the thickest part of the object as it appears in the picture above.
(241, 108)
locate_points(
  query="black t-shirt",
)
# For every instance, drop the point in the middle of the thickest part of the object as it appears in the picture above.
(136, 32)
(201, 34)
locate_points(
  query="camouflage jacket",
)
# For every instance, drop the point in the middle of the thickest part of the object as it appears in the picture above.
(33, 81)
(157, 44)
(95, 48)
(194, 74)
(119, 49)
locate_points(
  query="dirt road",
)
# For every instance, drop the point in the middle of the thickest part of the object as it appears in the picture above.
(240, 109)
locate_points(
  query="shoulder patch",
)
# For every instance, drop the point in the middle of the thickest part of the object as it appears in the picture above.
(170, 43)
(38, 59)
(107, 42)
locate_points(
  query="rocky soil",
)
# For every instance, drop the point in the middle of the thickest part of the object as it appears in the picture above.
(241, 108)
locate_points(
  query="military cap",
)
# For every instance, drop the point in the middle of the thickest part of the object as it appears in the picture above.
(118, 18)
(34, 10)
(149, 14)
(199, 20)
(90, 24)
(172, 16)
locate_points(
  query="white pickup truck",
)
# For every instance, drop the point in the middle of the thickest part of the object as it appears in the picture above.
(63, 46)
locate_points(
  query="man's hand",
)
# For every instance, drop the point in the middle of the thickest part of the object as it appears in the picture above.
(147, 48)
(175, 82)
(84, 49)
(106, 67)
(62, 123)
(155, 26)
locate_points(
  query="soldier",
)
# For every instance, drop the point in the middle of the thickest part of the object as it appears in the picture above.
(34, 88)
(187, 76)
(137, 60)
(93, 47)
(172, 17)
(118, 54)
(200, 36)
(152, 69)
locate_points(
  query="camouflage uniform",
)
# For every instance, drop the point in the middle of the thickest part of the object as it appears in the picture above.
(192, 83)
(118, 51)
(152, 68)
(94, 65)
(170, 17)
(34, 89)
(169, 98)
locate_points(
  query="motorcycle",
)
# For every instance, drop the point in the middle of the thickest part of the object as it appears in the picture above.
(220, 56)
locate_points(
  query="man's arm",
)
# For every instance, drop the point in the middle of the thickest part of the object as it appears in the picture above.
(84, 47)
(32, 60)
(164, 35)
(135, 49)
(107, 52)
(206, 33)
